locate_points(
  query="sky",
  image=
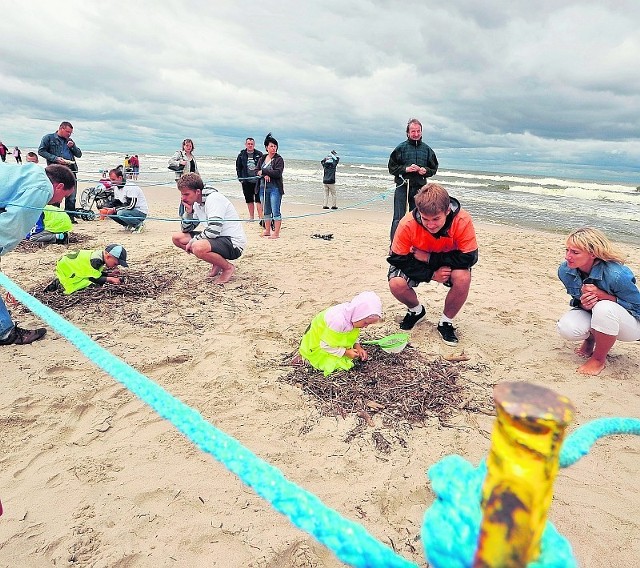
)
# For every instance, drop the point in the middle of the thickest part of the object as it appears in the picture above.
(547, 87)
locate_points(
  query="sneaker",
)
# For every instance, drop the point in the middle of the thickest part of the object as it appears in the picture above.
(448, 334)
(21, 336)
(325, 207)
(411, 319)
(138, 229)
(334, 207)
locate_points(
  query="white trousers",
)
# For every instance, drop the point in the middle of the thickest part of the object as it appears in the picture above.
(329, 194)
(606, 317)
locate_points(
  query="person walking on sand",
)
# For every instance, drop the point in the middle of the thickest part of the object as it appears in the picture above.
(223, 239)
(246, 168)
(435, 241)
(329, 165)
(17, 154)
(270, 169)
(59, 148)
(605, 299)
(24, 191)
(3, 152)
(411, 163)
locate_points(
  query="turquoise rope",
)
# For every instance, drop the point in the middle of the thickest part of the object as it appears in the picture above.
(451, 526)
(379, 196)
(348, 540)
(579, 443)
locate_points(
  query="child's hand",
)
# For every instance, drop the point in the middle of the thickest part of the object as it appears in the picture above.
(114, 280)
(361, 352)
(352, 353)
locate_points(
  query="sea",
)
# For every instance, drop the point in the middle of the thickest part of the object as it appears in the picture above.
(553, 204)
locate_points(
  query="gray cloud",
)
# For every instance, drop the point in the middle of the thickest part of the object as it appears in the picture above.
(499, 85)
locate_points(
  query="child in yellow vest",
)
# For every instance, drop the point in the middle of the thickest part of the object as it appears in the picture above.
(78, 270)
(330, 343)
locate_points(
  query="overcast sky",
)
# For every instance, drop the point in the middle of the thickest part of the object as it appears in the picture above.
(538, 86)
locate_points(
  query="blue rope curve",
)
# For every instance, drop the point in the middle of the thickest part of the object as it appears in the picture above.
(579, 443)
(348, 540)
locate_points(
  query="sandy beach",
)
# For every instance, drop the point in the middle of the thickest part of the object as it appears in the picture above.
(90, 476)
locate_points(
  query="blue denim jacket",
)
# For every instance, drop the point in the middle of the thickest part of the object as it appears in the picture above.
(53, 146)
(614, 278)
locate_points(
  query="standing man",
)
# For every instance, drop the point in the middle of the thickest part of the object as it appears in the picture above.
(223, 237)
(246, 168)
(411, 163)
(24, 191)
(329, 164)
(435, 241)
(59, 148)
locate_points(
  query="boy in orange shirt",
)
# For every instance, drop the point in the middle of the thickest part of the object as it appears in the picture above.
(435, 241)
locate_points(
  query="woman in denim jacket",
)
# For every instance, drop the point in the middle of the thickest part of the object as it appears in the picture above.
(604, 296)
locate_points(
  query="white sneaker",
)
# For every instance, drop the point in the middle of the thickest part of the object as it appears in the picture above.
(138, 229)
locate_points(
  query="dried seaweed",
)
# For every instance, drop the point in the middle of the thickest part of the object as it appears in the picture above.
(404, 388)
(74, 239)
(137, 284)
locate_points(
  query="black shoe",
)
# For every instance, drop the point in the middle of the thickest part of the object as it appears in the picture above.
(74, 220)
(448, 334)
(411, 319)
(325, 207)
(21, 336)
(334, 207)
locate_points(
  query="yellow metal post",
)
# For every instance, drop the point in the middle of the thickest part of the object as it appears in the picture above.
(521, 467)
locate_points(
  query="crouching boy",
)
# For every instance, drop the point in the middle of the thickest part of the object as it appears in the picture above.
(436, 241)
(78, 270)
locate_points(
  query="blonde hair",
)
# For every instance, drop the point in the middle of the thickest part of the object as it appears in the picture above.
(596, 243)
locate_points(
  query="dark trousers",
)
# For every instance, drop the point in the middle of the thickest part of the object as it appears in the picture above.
(400, 199)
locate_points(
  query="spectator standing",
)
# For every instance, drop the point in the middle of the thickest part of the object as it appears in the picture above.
(411, 163)
(246, 168)
(270, 169)
(59, 148)
(329, 164)
(3, 152)
(135, 166)
(17, 154)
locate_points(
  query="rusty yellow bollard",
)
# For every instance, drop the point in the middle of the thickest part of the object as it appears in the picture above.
(521, 467)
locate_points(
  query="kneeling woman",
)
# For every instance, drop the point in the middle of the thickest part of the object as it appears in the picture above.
(604, 296)
(330, 343)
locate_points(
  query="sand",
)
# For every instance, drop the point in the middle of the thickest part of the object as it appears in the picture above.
(91, 476)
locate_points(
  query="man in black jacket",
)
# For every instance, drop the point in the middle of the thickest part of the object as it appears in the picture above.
(411, 163)
(246, 170)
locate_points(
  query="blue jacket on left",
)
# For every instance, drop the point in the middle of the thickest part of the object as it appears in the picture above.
(24, 191)
(612, 277)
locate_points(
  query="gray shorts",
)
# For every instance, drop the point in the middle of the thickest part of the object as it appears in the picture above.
(222, 246)
(397, 273)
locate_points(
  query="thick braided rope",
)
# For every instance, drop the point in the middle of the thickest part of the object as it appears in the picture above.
(348, 540)
(579, 443)
(451, 526)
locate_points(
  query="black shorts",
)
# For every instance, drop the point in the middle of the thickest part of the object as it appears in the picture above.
(249, 190)
(222, 246)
